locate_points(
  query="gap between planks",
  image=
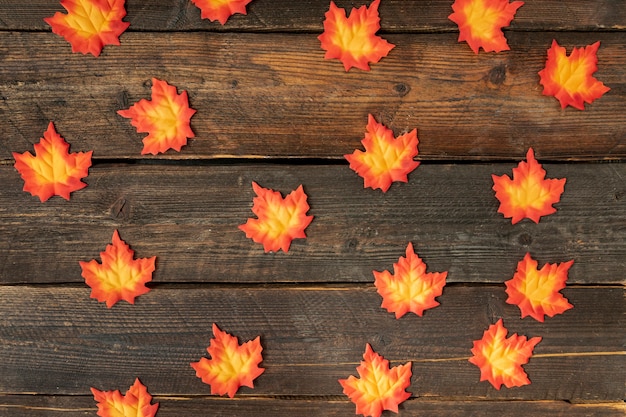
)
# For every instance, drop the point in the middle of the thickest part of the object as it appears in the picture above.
(465, 358)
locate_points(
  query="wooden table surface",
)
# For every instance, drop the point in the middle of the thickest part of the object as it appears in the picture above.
(271, 109)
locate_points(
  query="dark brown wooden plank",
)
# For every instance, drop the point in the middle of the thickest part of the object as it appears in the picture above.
(58, 406)
(187, 216)
(57, 340)
(273, 95)
(307, 15)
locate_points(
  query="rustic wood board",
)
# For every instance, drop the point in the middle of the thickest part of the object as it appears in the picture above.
(307, 15)
(188, 217)
(272, 110)
(275, 96)
(58, 341)
(243, 406)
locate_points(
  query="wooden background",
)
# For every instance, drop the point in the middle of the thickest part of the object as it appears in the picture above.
(270, 109)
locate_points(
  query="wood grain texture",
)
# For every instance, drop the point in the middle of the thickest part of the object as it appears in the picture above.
(308, 15)
(76, 406)
(274, 95)
(56, 340)
(187, 216)
(272, 110)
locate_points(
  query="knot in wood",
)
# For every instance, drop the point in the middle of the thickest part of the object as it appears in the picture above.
(350, 245)
(402, 89)
(497, 75)
(525, 239)
(122, 99)
(120, 209)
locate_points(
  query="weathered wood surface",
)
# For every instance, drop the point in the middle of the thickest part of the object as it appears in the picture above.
(272, 110)
(55, 340)
(274, 95)
(307, 15)
(241, 406)
(187, 216)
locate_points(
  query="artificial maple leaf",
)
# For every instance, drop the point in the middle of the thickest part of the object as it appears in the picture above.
(135, 403)
(570, 79)
(379, 387)
(220, 10)
(385, 159)
(481, 21)
(165, 118)
(232, 365)
(279, 220)
(90, 24)
(410, 288)
(536, 292)
(353, 40)
(500, 359)
(53, 171)
(529, 194)
(119, 277)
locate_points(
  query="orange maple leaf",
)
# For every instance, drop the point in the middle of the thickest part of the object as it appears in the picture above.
(385, 159)
(353, 40)
(119, 277)
(135, 403)
(570, 79)
(529, 194)
(53, 171)
(232, 365)
(500, 359)
(90, 24)
(410, 288)
(220, 10)
(481, 21)
(279, 220)
(165, 118)
(536, 292)
(379, 387)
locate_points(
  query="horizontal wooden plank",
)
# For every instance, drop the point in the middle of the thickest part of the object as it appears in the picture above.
(307, 15)
(75, 406)
(56, 340)
(187, 216)
(274, 95)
